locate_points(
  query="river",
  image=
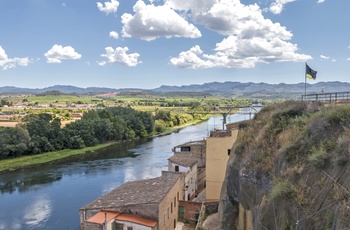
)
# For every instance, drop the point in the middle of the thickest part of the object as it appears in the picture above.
(50, 197)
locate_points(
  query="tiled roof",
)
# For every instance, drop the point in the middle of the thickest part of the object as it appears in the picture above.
(103, 216)
(184, 159)
(192, 143)
(148, 191)
(137, 220)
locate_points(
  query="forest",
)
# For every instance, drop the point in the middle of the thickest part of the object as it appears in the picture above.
(41, 132)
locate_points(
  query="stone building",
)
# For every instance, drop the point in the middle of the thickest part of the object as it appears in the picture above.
(197, 151)
(183, 162)
(137, 205)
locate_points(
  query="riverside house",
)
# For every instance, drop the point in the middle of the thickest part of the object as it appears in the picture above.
(150, 204)
(197, 151)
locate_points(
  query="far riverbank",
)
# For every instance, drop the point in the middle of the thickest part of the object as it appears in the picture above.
(67, 155)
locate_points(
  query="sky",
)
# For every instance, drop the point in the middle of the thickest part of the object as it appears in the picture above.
(149, 43)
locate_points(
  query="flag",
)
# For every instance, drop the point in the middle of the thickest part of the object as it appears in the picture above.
(310, 73)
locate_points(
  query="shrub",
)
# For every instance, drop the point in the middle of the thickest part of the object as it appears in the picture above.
(281, 189)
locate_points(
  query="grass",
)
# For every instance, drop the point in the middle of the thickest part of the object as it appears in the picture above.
(21, 162)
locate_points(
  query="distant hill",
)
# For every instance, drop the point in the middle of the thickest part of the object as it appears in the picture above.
(231, 89)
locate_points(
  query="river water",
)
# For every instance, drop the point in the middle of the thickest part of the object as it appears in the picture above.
(50, 197)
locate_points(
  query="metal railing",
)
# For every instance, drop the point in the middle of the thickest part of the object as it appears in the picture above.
(329, 98)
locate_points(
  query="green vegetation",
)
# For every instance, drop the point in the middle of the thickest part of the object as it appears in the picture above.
(296, 155)
(11, 164)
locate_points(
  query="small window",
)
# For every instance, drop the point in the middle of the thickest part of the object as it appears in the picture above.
(228, 152)
(174, 202)
(181, 212)
(171, 207)
(130, 228)
(185, 149)
(176, 168)
(119, 226)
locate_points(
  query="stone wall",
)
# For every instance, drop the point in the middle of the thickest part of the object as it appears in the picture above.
(191, 210)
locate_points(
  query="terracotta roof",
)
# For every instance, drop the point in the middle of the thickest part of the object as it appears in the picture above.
(137, 220)
(184, 159)
(101, 217)
(148, 191)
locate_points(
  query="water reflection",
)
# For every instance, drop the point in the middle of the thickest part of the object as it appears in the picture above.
(37, 213)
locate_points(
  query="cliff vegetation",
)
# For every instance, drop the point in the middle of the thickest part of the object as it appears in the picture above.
(290, 170)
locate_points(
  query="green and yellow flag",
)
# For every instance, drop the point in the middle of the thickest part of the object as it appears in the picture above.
(310, 73)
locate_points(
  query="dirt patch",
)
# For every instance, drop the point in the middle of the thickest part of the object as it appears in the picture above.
(8, 123)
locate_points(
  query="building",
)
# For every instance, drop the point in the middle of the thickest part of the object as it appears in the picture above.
(197, 151)
(183, 162)
(218, 150)
(137, 205)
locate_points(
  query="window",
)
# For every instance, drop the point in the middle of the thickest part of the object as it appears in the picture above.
(171, 207)
(186, 149)
(228, 152)
(168, 213)
(176, 168)
(119, 226)
(174, 202)
(129, 228)
(181, 212)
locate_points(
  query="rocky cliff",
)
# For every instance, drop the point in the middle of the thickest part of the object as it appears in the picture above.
(290, 170)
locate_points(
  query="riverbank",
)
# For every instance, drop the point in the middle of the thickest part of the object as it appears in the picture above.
(46, 158)
(68, 154)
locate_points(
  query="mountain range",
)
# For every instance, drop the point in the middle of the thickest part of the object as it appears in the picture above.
(231, 89)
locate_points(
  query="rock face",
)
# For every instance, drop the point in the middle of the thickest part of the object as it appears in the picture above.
(290, 170)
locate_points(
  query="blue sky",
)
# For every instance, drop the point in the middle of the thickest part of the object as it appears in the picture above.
(146, 44)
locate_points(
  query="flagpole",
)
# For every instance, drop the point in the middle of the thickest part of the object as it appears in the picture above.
(305, 79)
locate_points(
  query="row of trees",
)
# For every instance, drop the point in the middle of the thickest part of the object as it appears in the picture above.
(42, 133)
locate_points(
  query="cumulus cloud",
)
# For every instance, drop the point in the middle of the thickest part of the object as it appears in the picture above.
(108, 7)
(277, 6)
(8, 63)
(119, 55)
(58, 53)
(251, 38)
(113, 34)
(233, 52)
(150, 22)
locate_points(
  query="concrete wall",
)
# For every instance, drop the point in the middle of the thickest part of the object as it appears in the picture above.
(217, 156)
(168, 207)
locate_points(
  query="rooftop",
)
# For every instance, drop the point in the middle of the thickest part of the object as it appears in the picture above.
(136, 192)
(136, 219)
(184, 159)
(192, 143)
(103, 216)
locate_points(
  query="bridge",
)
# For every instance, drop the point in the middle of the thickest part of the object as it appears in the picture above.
(226, 110)
(328, 98)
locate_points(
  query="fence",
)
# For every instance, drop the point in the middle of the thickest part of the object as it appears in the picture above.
(329, 98)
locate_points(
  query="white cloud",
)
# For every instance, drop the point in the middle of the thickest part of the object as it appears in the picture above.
(150, 22)
(328, 58)
(190, 59)
(113, 34)
(231, 17)
(251, 38)
(277, 6)
(108, 7)
(119, 55)
(8, 63)
(64, 4)
(58, 53)
(320, 1)
(233, 52)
